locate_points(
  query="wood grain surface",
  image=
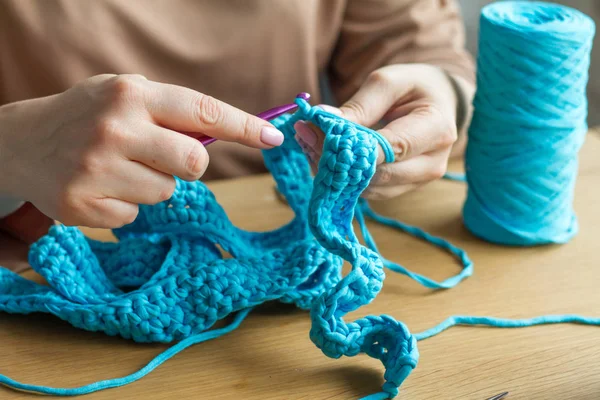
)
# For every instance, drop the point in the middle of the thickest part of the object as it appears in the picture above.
(271, 357)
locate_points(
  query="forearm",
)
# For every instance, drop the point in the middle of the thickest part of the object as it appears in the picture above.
(8, 202)
(19, 219)
(17, 122)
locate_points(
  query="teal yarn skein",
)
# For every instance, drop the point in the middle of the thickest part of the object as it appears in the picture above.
(529, 122)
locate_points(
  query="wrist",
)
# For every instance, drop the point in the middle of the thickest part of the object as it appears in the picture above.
(9, 126)
(17, 122)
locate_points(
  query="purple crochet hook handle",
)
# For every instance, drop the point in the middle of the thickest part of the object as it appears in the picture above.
(267, 115)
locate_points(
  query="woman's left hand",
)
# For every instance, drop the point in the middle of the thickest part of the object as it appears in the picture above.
(418, 106)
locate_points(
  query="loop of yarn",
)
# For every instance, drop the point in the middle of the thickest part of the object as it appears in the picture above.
(364, 210)
(310, 113)
(529, 122)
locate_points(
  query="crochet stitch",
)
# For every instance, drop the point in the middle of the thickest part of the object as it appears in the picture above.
(166, 281)
(182, 285)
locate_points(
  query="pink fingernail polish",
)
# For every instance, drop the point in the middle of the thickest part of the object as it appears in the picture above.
(305, 133)
(271, 136)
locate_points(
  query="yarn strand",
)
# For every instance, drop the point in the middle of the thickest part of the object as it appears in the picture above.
(126, 380)
(465, 320)
(521, 165)
(461, 255)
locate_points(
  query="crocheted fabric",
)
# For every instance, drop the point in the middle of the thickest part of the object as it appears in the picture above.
(166, 280)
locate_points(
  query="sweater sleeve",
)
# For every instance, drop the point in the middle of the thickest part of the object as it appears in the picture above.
(25, 223)
(376, 33)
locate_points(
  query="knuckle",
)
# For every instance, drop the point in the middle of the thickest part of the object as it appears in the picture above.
(401, 141)
(123, 84)
(93, 81)
(403, 144)
(208, 111)
(90, 164)
(138, 77)
(125, 88)
(380, 76)
(110, 133)
(249, 127)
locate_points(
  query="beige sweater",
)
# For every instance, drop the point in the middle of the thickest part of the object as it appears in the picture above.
(254, 54)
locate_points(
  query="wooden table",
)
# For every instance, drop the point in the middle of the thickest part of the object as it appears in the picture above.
(271, 356)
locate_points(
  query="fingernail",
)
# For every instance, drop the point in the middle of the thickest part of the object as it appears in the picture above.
(330, 109)
(271, 136)
(305, 133)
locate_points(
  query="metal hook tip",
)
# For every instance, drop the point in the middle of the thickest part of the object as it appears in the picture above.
(499, 396)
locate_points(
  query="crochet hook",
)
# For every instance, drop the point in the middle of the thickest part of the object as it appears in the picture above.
(499, 396)
(267, 115)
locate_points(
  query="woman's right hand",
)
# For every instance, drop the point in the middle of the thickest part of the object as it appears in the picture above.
(90, 155)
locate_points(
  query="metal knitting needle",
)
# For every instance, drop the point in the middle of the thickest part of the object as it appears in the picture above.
(267, 115)
(498, 396)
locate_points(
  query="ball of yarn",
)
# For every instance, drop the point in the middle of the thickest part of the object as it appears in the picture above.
(529, 122)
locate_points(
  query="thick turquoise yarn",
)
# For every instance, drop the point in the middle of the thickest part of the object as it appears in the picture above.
(182, 285)
(166, 281)
(529, 122)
